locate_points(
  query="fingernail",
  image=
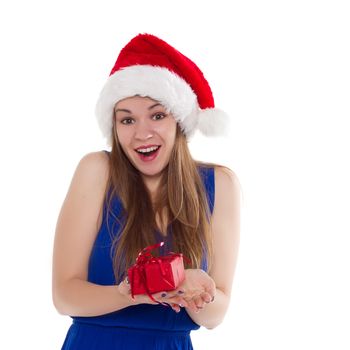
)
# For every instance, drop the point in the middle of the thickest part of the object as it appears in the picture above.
(181, 292)
(163, 295)
(212, 299)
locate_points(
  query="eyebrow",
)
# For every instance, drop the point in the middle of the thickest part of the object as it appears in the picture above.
(128, 111)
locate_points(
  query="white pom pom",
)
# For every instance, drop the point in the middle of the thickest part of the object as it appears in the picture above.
(213, 122)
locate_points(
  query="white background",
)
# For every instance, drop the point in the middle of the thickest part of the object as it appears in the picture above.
(279, 68)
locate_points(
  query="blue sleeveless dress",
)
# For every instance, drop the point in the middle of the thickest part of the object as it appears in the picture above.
(141, 327)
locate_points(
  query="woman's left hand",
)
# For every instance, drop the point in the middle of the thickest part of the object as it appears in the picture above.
(198, 289)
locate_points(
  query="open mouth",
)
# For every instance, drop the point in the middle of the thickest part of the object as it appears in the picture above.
(148, 153)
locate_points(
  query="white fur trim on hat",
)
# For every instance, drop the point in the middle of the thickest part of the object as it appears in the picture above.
(155, 82)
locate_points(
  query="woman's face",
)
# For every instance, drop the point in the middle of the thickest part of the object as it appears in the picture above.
(143, 125)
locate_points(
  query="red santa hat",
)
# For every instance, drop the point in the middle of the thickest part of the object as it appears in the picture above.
(148, 66)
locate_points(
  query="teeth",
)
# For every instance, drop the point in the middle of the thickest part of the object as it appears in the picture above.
(145, 150)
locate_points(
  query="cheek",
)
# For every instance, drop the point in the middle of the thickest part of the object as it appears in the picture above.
(168, 136)
(123, 136)
(169, 130)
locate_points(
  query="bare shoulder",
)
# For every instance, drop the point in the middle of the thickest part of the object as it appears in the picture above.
(228, 195)
(226, 180)
(88, 185)
(94, 165)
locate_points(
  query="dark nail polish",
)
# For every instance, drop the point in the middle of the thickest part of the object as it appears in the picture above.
(163, 295)
(212, 299)
(181, 292)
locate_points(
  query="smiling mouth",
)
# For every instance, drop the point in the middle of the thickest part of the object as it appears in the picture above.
(150, 155)
(152, 151)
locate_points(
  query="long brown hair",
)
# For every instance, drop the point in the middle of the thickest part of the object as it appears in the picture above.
(181, 199)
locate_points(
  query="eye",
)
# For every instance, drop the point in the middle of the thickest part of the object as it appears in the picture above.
(159, 116)
(126, 121)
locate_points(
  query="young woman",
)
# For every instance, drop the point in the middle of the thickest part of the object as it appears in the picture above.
(147, 189)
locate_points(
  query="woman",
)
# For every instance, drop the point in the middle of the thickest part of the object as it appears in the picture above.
(147, 189)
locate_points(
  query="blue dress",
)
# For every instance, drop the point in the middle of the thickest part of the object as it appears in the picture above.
(143, 326)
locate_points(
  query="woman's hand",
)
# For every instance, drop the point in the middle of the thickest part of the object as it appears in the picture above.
(174, 299)
(198, 289)
(195, 292)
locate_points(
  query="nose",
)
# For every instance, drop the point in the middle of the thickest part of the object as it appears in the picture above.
(143, 130)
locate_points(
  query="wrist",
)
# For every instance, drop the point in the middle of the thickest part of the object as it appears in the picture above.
(125, 295)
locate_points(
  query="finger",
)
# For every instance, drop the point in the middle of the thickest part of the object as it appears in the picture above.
(179, 291)
(206, 297)
(172, 294)
(190, 294)
(211, 291)
(199, 303)
(179, 301)
(160, 296)
(176, 307)
(192, 306)
(165, 298)
(170, 297)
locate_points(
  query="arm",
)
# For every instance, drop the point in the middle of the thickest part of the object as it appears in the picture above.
(81, 298)
(76, 229)
(226, 231)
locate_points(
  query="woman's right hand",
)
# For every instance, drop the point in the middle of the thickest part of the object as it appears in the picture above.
(175, 300)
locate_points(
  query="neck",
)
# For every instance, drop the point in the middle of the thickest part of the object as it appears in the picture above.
(152, 184)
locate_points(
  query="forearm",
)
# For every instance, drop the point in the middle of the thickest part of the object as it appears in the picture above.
(83, 298)
(213, 313)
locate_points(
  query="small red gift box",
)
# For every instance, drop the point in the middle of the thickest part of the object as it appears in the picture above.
(156, 274)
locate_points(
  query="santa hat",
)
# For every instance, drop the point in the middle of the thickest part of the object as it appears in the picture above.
(148, 66)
